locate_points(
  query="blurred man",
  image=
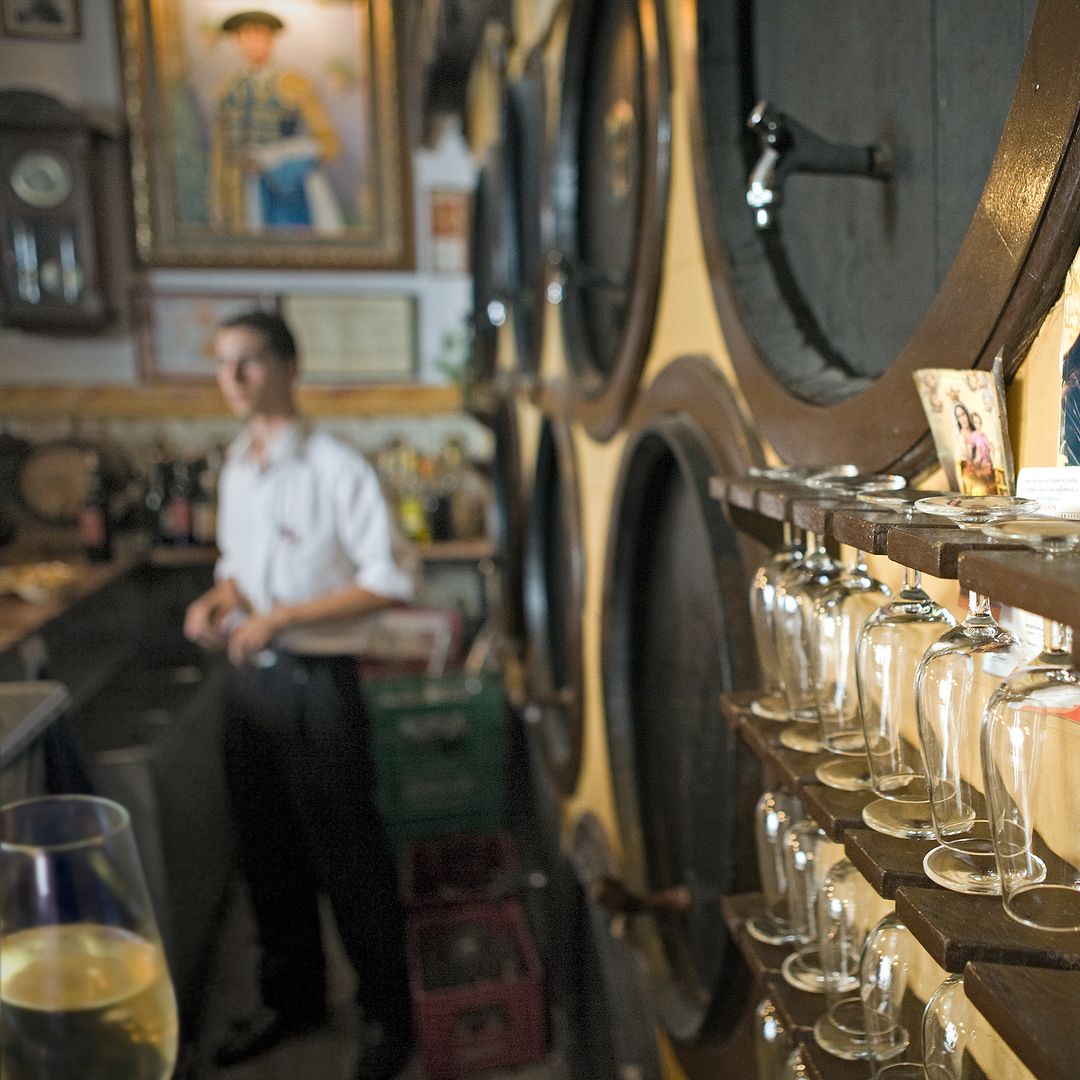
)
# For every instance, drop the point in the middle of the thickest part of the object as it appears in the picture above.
(305, 542)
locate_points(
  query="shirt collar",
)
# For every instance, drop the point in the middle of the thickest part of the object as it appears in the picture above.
(286, 445)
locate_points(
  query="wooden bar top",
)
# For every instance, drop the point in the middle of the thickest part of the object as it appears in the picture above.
(20, 619)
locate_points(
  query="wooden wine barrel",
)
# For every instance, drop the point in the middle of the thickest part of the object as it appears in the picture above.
(553, 587)
(524, 169)
(611, 1028)
(833, 287)
(508, 504)
(609, 193)
(487, 260)
(676, 634)
(485, 302)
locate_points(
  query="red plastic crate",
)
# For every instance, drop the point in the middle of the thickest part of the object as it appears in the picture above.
(497, 1021)
(461, 869)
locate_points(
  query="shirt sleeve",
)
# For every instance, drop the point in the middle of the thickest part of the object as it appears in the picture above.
(366, 535)
(225, 567)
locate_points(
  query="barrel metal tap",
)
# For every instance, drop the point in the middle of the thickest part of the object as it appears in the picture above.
(789, 147)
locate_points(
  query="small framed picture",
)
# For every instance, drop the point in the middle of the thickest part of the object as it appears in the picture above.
(450, 214)
(345, 340)
(176, 331)
(966, 411)
(55, 20)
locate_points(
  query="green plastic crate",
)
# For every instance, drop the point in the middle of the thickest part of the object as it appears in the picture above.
(439, 748)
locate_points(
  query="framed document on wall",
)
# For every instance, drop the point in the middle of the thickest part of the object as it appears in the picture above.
(351, 339)
(176, 331)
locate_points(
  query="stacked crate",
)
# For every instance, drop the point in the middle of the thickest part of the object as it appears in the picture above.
(440, 747)
(474, 972)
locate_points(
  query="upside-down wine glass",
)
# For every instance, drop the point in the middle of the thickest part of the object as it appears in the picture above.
(772, 1041)
(832, 613)
(954, 681)
(796, 592)
(885, 969)
(891, 644)
(771, 705)
(1030, 750)
(806, 853)
(838, 615)
(950, 1034)
(774, 814)
(847, 908)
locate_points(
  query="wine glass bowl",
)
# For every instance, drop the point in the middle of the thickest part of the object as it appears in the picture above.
(804, 853)
(891, 643)
(839, 613)
(771, 704)
(847, 908)
(774, 814)
(1030, 738)
(84, 987)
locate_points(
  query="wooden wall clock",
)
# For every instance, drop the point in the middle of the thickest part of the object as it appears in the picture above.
(50, 277)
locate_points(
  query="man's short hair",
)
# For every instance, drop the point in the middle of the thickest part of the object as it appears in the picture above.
(252, 18)
(275, 331)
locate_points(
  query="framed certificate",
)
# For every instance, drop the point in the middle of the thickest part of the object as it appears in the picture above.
(350, 339)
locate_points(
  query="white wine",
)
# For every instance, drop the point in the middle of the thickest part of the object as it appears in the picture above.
(85, 1002)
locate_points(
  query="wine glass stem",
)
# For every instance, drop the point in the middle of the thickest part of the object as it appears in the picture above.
(978, 604)
(1055, 636)
(912, 579)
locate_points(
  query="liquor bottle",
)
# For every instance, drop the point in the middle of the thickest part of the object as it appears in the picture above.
(204, 499)
(176, 513)
(95, 523)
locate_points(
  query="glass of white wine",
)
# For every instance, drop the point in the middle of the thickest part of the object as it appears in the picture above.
(84, 986)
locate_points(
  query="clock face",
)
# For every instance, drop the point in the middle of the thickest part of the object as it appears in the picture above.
(41, 179)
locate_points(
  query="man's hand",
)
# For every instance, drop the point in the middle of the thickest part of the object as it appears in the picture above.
(205, 618)
(252, 636)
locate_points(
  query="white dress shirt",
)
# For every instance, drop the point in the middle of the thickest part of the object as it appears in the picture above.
(307, 519)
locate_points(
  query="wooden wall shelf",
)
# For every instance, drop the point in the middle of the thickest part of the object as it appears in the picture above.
(1013, 971)
(1006, 572)
(1032, 582)
(888, 862)
(1034, 1011)
(956, 930)
(188, 401)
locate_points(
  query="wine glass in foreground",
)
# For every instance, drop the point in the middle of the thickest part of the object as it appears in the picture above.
(84, 987)
(954, 681)
(1030, 746)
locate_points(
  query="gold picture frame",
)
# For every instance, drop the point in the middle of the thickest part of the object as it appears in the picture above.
(266, 139)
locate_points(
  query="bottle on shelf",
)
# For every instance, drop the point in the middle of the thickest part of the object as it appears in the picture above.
(95, 521)
(204, 498)
(176, 512)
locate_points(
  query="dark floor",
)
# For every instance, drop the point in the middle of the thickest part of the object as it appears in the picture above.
(327, 1054)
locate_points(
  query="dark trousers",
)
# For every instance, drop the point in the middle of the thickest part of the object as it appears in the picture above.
(301, 783)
